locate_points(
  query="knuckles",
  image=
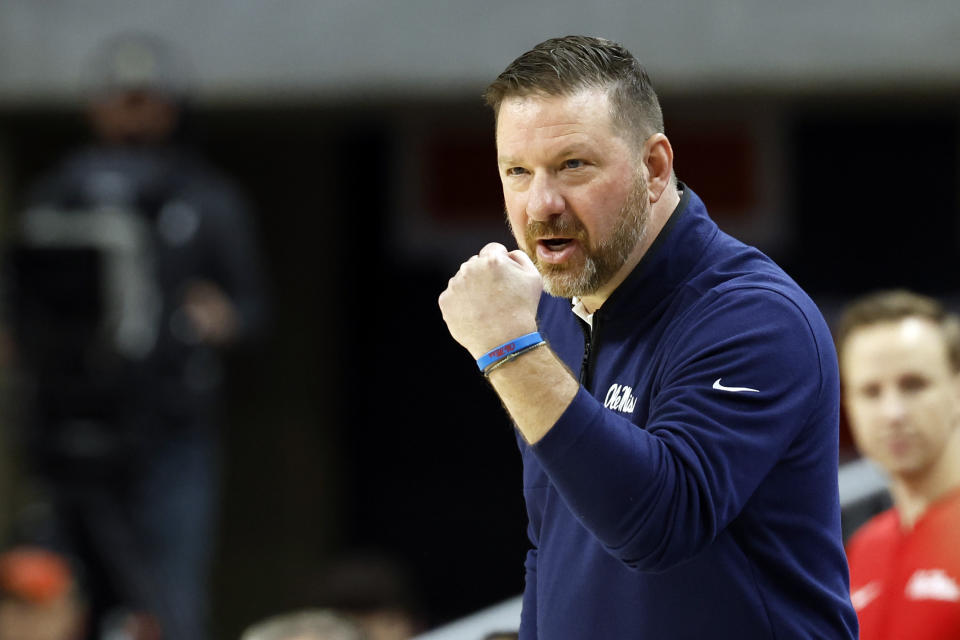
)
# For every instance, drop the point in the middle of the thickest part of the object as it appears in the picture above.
(493, 248)
(493, 267)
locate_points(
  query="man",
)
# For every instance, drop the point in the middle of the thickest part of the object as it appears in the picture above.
(137, 267)
(679, 428)
(900, 366)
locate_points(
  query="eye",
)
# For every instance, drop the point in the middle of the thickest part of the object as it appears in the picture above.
(913, 383)
(573, 163)
(870, 391)
(515, 171)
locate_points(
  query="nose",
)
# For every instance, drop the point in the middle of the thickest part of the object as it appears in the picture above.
(544, 198)
(893, 408)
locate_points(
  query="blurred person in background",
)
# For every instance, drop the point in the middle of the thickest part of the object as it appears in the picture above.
(900, 367)
(375, 591)
(315, 624)
(39, 597)
(134, 266)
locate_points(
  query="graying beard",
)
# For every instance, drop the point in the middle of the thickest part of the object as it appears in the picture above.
(587, 281)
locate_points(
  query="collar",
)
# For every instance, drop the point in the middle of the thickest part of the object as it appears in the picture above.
(581, 311)
(666, 264)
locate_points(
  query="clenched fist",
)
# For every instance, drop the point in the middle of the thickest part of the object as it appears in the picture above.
(492, 299)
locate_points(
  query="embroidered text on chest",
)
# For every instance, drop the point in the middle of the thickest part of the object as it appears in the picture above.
(620, 398)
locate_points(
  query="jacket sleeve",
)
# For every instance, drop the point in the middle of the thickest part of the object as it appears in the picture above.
(528, 613)
(655, 494)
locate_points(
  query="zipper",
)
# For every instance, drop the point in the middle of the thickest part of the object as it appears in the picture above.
(589, 339)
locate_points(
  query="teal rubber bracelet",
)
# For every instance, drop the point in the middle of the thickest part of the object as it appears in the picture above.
(499, 353)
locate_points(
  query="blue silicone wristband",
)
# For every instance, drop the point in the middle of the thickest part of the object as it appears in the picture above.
(504, 350)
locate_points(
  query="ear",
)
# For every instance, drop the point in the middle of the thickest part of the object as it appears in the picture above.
(658, 162)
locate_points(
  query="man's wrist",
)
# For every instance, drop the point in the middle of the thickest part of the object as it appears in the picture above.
(519, 352)
(495, 357)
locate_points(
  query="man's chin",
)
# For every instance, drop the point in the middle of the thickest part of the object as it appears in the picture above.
(566, 284)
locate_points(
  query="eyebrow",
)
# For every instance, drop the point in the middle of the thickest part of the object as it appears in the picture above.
(574, 149)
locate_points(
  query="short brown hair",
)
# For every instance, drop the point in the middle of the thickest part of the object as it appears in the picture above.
(564, 66)
(898, 304)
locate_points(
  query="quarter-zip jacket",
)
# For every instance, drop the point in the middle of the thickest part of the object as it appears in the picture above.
(690, 488)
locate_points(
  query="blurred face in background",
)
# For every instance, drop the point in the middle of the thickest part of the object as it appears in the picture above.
(58, 619)
(132, 117)
(38, 600)
(901, 394)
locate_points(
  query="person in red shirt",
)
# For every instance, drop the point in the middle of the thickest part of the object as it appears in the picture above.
(899, 359)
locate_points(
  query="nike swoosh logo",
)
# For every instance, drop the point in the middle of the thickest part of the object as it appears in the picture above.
(720, 387)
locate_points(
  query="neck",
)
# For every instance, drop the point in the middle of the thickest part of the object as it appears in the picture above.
(914, 493)
(659, 214)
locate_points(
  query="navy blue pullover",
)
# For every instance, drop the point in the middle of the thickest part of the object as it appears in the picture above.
(690, 488)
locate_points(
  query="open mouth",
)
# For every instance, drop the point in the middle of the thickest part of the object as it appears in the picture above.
(555, 250)
(555, 244)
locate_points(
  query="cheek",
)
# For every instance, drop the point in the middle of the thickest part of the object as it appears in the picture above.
(600, 208)
(514, 205)
(939, 419)
(862, 418)
(516, 218)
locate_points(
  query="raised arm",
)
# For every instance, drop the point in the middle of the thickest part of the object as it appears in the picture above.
(491, 300)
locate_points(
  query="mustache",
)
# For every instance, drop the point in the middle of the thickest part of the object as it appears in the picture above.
(567, 227)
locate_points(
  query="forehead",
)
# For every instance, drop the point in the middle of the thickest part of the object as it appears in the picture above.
(536, 119)
(914, 344)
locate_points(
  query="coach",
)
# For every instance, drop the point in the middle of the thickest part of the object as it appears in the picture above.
(675, 392)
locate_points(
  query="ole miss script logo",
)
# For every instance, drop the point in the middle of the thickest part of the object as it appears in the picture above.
(620, 398)
(502, 350)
